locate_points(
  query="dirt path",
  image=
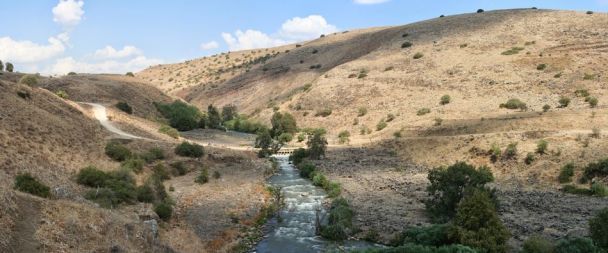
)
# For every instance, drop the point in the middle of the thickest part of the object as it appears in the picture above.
(100, 113)
(26, 226)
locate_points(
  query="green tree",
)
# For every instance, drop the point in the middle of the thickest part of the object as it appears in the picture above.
(213, 117)
(263, 141)
(598, 228)
(181, 116)
(9, 67)
(576, 245)
(537, 244)
(283, 123)
(448, 186)
(189, 150)
(477, 224)
(1, 66)
(229, 112)
(317, 144)
(29, 80)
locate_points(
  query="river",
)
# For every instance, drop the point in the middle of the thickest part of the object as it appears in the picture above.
(296, 231)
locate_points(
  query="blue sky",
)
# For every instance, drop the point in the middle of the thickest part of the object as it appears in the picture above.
(115, 36)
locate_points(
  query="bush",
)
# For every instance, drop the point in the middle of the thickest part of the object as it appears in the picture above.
(170, 131)
(189, 150)
(323, 112)
(92, 177)
(181, 116)
(339, 225)
(153, 154)
(581, 93)
(592, 102)
(180, 168)
(546, 108)
(423, 111)
(390, 117)
(512, 51)
(598, 228)
(479, 10)
(306, 169)
(27, 183)
(344, 136)
(566, 173)
(159, 171)
(285, 137)
(418, 55)
(203, 177)
(145, 193)
(406, 44)
(9, 67)
(123, 106)
(433, 235)
(29, 80)
(599, 190)
(381, 125)
(477, 224)
(448, 185)
(117, 151)
(576, 245)
(216, 175)
(541, 66)
(589, 12)
(575, 190)
(529, 158)
(445, 99)
(510, 151)
(514, 103)
(333, 189)
(298, 155)
(130, 74)
(164, 210)
(537, 244)
(113, 188)
(599, 168)
(541, 146)
(62, 94)
(133, 164)
(301, 137)
(589, 76)
(362, 111)
(494, 152)
(320, 180)
(564, 102)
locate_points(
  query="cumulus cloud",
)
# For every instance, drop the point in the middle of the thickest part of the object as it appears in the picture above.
(68, 13)
(69, 64)
(370, 1)
(292, 30)
(109, 52)
(210, 45)
(26, 51)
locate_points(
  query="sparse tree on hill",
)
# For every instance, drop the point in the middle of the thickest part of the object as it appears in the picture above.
(263, 141)
(283, 123)
(213, 117)
(317, 144)
(9, 67)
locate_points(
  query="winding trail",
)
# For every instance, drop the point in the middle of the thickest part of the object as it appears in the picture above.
(101, 114)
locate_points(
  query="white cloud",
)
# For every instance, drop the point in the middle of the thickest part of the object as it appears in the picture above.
(209, 45)
(109, 52)
(68, 13)
(26, 51)
(370, 1)
(69, 64)
(292, 30)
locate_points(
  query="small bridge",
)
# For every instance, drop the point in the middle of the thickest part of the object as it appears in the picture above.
(286, 151)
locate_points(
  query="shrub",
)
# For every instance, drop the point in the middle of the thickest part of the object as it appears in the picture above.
(404, 35)
(397, 134)
(558, 75)
(113, 188)
(203, 177)
(362, 111)
(339, 225)
(182, 116)
(463, 45)
(216, 175)
(117, 152)
(189, 150)
(381, 125)
(510, 151)
(546, 108)
(298, 155)
(145, 193)
(514, 103)
(170, 131)
(320, 180)
(418, 55)
(153, 154)
(164, 210)
(323, 112)
(448, 185)
(423, 111)
(589, 76)
(180, 168)
(599, 168)
(130, 74)
(494, 152)
(92, 177)
(598, 228)
(512, 51)
(537, 244)
(317, 144)
(581, 93)
(285, 137)
(306, 169)
(361, 75)
(9, 67)
(29, 80)
(541, 66)
(343, 136)
(566, 173)
(433, 235)
(212, 119)
(479, 10)
(301, 137)
(445, 99)
(390, 117)
(438, 121)
(160, 172)
(541, 146)
(592, 102)
(477, 224)
(589, 12)
(599, 190)
(27, 183)
(133, 164)
(596, 133)
(406, 44)
(353, 75)
(62, 94)
(575, 190)
(576, 245)
(123, 106)
(389, 68)
(564, 102)
(529, 158)
(333, 189)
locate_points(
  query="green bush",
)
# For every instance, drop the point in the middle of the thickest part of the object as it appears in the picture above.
(448, 185)
(306, 169)
(513, 104)
(153, 154)
(189, 150)
(537, 244)
(575, 190)
(298, 155)
(117, 151)
(479, 10)
(541, 146)
(62, 94)
(145, 193)
(344, 136)
(478, 225)
(418, 55)
(541, 66)
(598, 228)
(362, 111)
(203, 176)
(123, 106)
(566, 173)
(445, 99)
(113, 188)
(216, 175)
(133, 164)
(165, 129)
(599, 190)
(27, 183)
(285, 137)
(333, 189)
(589, 76)
(576, 245)
(164, 210)
(546, 108)
(29, 80)
(423, 111)
(581, 93)
(433, 235)
(9, 67)
(159, 171)
(339, 225)
(181, 116)
(512, 51)
(381, 125)
(511, 151)
(592, 102)
(414, 248)
(323, 112)
(406, 44)
(180, 168)
(529, 158)
(92, 177)
(130, 74)
(320, 180)
(599, 168)
(564, 102)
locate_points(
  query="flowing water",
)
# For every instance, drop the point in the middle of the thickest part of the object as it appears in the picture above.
(296, 230)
